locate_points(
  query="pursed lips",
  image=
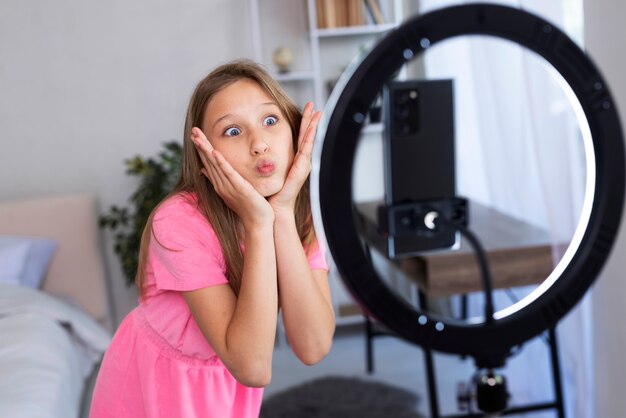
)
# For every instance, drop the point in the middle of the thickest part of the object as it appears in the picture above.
(265, 167)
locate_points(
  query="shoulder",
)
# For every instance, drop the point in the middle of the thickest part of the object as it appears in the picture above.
(180, 205)
(183, 251)
(181, 215)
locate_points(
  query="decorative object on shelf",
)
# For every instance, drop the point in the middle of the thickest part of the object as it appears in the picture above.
(158, 177)
(283, 58)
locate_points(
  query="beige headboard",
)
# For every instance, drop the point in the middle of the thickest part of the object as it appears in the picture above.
(77, 268)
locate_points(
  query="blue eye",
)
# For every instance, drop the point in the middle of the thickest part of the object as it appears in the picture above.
(232, 132)
(270, 120)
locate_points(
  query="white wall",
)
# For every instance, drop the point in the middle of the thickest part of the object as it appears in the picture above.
(605, 39)
(86, 84)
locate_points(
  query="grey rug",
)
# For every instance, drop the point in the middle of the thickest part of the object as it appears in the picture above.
(341, 397)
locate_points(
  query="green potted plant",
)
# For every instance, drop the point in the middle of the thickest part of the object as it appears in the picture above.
(157, 178)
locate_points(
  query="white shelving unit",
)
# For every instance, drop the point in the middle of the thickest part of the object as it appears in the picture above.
(320, 56)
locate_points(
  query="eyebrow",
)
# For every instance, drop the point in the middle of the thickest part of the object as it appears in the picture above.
(229, 114)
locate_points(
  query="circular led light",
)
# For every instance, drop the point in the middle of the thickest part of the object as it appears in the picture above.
(490, 342)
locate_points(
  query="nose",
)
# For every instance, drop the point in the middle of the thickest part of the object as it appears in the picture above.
(258, 145)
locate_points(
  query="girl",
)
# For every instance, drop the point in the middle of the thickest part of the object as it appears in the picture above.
(230, 245)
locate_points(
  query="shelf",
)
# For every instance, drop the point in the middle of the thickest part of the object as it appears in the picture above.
(354, 30)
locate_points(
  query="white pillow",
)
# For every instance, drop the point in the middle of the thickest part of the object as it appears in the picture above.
(13, 256)
(25, 260)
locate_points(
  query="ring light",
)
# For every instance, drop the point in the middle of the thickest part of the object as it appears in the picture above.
(489, 343)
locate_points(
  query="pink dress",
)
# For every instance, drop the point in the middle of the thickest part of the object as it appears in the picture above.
(159, 364)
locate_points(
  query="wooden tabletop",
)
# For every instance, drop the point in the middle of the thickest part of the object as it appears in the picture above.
(519, 254)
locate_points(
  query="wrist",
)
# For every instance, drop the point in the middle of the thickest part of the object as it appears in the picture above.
(258, 231)
(285, 216)
(259, 225)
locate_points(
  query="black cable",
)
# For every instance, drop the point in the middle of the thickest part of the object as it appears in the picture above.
(480, 253)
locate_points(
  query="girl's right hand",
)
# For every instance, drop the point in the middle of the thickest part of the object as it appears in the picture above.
(253, 209)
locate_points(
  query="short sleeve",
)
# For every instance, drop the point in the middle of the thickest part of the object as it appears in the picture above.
(184, 252)
(316, 257)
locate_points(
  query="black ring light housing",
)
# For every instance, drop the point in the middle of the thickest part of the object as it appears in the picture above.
(488, 344)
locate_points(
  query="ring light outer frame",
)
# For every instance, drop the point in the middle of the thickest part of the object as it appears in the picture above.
(489, 344)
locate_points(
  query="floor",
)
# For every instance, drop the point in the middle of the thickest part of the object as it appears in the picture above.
(399, 363)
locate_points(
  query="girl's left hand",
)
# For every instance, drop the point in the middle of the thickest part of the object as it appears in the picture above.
(285, 199)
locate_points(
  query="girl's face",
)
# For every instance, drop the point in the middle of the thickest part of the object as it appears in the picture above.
(247, 127)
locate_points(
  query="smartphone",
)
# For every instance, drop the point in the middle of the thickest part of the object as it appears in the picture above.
(419, 156)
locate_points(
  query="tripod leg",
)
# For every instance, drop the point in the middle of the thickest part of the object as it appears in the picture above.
(556, 373)
(430, 366)
(431, 382)
(369, 346)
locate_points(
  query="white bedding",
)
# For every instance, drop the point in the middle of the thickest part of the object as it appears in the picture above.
(47, 350)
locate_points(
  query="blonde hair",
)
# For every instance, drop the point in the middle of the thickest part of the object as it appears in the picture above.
(210, 204)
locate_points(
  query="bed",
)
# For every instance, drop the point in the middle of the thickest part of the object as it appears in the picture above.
(55, 316)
